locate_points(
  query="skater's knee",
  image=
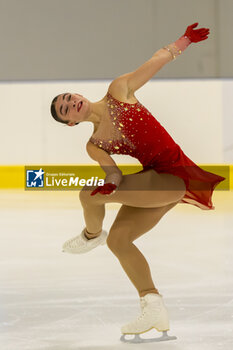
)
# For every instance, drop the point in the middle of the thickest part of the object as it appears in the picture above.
(85, 194)
(118, 241)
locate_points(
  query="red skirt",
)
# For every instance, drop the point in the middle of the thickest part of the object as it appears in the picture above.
(199, 183)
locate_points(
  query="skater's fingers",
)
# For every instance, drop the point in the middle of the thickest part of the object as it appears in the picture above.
(194, 25)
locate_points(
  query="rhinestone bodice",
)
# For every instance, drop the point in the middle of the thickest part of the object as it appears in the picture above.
(133, 131)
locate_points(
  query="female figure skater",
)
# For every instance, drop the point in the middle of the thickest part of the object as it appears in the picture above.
(122, 125)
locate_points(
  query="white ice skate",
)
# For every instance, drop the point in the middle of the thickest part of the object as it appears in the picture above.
(80, 244)
(153, 315)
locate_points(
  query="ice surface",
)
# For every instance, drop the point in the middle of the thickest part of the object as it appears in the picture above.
(58, 301)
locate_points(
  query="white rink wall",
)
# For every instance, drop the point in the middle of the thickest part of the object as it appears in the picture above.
(194, 112)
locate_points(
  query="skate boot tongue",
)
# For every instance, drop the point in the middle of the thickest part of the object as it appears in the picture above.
(150, 297)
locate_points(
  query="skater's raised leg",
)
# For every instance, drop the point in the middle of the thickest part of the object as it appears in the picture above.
(141, 190)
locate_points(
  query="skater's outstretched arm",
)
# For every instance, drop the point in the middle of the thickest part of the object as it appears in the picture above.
(140, 76)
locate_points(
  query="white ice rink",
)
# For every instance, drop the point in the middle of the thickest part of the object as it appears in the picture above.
(58, 301)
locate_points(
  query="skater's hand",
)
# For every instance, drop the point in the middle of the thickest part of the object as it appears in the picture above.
(107, 188)
(198, 34)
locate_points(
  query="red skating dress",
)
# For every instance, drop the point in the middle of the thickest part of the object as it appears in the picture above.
(137, 133)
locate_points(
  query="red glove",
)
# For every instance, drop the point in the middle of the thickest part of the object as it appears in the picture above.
(105, 189)
(196, 35)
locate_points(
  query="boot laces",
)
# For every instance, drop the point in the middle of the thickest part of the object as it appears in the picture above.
(142, 302)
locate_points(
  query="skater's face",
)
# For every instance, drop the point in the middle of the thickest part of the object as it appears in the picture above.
(72, 108)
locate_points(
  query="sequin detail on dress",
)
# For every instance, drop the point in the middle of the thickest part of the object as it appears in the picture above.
(120, 129)
(129, 124)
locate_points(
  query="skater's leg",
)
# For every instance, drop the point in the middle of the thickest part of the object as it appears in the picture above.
(94, 216)
(144, 190)
(130, 224)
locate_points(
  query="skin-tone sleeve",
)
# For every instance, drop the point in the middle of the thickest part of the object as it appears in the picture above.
(177, 47)
(114, 178)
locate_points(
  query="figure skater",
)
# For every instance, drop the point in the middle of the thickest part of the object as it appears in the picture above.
(122, 125)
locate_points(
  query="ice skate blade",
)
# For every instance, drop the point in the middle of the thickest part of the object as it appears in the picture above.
(138, 339)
